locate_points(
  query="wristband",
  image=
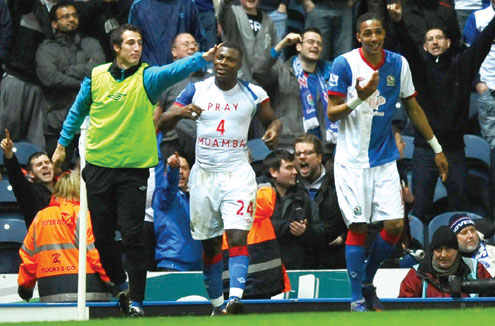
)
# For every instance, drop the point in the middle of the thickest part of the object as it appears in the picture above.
(435, 145)
(354, 103)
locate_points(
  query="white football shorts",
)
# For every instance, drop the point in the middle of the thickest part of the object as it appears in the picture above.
(221, 201)
(369, 195)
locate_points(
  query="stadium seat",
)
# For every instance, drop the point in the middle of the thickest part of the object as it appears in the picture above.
(443, 219)
(477, 148)
(7, 197)
(258, 151)
(12, 233)
(417, 229)
(480, 178)
(409, 149)
(24, 150)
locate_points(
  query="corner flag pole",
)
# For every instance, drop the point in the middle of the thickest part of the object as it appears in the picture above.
(83, 213)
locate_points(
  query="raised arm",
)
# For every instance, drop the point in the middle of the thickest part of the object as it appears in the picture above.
(263, 69)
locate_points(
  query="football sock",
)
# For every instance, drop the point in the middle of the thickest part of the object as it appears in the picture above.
(138, 304)
(238, 267)
(381, 249)
(354, 256)
(212, 271)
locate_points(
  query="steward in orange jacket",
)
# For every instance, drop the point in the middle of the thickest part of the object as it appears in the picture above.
(266, 273)
(50, 253)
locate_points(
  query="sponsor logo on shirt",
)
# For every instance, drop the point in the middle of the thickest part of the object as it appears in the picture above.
(374, 102)
(117, 96)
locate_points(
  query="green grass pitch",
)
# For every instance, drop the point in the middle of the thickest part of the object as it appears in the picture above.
(443, 317)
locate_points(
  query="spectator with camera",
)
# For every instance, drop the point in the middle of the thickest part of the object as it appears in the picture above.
(433, 277)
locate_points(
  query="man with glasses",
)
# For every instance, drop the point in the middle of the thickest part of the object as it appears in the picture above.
(318, 180)
(62, 63)
(298, 88)
(444, 80)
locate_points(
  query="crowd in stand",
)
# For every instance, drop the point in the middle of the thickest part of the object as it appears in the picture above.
(170, 185)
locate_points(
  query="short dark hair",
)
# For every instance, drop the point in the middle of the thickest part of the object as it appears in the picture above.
(274, 160)
(60, 4)
(116, 36)
(32, 157)
(312, 29)
(311, 139)
(235, 46)
(441, 28)
(367, 16)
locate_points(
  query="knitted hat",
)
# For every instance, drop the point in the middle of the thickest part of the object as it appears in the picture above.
(444, 237)
(459, 221)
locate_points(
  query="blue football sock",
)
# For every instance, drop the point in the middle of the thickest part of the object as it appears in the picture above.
(354, 256)
(137, 304)
(212, 271)
(380, 250)
(238, 267)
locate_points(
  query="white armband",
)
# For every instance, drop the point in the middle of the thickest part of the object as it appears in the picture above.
(435, 145)
(354, 103)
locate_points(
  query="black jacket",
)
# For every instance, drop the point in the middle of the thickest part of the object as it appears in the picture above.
(31, 197)
(298, 252)
(333, 223)
(444, 85)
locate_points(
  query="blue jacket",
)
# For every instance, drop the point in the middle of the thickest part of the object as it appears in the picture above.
(175, 247)
(160, 21)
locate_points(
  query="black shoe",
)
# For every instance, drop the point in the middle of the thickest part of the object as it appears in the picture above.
(124, 302)
(372, 301)
(234, 307)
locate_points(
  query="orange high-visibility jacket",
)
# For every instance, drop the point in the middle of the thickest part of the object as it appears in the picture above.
(50, 255)
(266, 272)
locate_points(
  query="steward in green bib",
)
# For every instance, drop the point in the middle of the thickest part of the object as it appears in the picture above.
(121, 145)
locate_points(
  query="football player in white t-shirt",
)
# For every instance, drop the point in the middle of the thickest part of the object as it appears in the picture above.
(364, 87)
(222, 183)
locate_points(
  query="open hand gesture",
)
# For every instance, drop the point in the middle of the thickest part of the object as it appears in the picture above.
(365, 91)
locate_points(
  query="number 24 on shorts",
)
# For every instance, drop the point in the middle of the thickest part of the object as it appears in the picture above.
(249, 209)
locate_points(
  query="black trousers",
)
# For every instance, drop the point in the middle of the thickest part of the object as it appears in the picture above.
(117, 197)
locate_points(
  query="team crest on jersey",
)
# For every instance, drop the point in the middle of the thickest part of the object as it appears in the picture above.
(390, 81)
(334, 80)
(357, 211)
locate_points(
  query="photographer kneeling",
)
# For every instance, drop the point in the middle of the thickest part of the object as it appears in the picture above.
(430, 278)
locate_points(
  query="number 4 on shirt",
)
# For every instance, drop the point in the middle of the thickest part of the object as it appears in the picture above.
(249, 209)
(221, 127)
